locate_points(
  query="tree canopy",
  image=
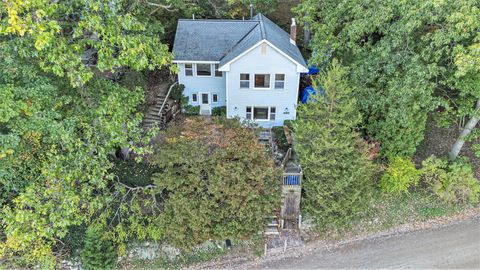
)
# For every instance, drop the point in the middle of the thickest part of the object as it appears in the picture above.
(219, 182)
(406, 57)
(75, 38)
(55, 142)
(338, 176)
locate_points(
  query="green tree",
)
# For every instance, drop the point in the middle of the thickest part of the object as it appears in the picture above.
(55, 141)
(405, 58)
(77, 38)
(338, 176)
(218, 182)
(97, 252)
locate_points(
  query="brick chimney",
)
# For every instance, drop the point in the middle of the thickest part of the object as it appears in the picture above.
(293, 31)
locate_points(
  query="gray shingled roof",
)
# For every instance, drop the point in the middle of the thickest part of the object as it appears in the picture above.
(223, 40)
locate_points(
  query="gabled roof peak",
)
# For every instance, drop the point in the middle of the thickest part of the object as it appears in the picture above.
(223, 40)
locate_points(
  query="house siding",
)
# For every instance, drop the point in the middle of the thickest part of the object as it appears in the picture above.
(254, 62)
(195, 84)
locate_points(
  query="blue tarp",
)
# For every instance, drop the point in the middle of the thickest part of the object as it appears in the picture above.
(313, 70)
(309, 91)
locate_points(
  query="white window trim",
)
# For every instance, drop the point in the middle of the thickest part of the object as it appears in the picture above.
(249, 81)
(263, 88)
(260, 120)
(270, 113)
(195, 101)
(204, 76)
(214, 93)
(284, 81)
(185, 69)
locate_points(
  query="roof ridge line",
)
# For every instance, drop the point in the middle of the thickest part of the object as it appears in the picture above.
(240, 41)
(262, 27)
(217, 20)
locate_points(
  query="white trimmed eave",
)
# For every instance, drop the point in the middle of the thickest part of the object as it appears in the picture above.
(194, 62)
(300, 68)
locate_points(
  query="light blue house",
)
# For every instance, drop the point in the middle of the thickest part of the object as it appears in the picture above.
(250, 66)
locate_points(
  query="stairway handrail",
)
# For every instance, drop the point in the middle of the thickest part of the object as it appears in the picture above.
(166, 98)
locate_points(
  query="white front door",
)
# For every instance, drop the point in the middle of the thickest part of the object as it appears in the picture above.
(205, 107)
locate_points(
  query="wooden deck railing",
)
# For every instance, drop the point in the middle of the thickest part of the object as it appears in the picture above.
(166, 98)
(287, 157)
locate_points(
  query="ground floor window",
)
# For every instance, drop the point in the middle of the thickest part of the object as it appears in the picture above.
(194, 97)
(260, 113)
(214, 97)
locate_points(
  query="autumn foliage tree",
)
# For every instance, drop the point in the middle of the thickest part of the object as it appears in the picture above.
(60, 118)
(218, 180)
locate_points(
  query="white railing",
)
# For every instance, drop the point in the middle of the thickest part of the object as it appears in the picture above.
(166, 98)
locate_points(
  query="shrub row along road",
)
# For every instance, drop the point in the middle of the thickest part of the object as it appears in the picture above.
(453, 246)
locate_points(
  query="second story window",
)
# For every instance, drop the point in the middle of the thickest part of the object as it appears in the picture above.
(188, 69)
(262, 80)
(244, 80)
(204, 70)
(218, 73)
(279, 81)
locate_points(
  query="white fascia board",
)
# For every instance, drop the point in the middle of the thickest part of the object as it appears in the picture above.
(300, 68)
(195, 62)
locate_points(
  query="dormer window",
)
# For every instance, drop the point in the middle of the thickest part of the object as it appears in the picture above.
(204, 70)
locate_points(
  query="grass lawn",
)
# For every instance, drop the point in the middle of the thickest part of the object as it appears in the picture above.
(387, 212)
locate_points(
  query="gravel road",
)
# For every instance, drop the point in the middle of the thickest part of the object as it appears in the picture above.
(453, 246)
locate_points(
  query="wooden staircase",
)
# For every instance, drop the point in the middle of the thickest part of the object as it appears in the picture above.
(272, 227)
(153, 115)
(162, 111)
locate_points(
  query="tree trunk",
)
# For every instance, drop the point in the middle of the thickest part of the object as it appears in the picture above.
(457, 146)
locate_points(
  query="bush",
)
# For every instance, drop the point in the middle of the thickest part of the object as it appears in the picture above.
(177, 92)
(289, 124)
(220, 111)
(218, 182)
(191, 110)
(280, 139)
(400, 176)
(452, 183)
(97, 253)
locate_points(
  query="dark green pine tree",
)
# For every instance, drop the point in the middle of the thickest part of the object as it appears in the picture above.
(97, 253)
(338, 176)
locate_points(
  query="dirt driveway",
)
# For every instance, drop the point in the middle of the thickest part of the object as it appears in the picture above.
(453, 246)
